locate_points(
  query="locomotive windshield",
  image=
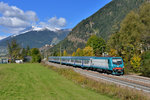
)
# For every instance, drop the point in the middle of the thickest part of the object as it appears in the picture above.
(117, 61)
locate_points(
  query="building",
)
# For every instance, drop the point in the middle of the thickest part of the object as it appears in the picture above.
(3, 60)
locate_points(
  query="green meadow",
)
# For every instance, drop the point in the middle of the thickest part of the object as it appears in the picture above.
(36, 82)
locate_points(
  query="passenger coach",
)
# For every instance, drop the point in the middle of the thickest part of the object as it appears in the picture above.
(112, 65)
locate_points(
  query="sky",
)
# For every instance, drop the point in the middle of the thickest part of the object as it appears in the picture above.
(18, 15)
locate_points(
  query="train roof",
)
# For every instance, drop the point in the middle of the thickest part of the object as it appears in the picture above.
(83, 57)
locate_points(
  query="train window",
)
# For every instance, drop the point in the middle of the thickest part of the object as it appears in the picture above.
(117, 61)
(63, 60)
(78, 61)
(86, 61)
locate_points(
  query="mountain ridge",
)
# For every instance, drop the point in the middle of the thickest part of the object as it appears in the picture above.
(37, 38)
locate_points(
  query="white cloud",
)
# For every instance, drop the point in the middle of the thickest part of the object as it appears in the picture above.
(60, 22)
(13, 17)
(13, 11)
(53, 23)
(14, 20)
(13, 30)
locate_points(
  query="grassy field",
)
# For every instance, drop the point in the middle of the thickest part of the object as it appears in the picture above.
(35, 82)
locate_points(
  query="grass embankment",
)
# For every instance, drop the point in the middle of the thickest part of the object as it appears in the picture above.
(35, 82)
(100, 87)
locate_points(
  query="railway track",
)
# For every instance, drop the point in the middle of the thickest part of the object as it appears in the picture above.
(131, 81)
(138, 79)
(115, 80)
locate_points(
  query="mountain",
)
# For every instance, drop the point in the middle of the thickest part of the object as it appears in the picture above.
(102, 23)
(37, 37)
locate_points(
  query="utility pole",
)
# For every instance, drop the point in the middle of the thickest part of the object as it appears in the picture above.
(60, 53)
(93, 49)
(53, 52)
(102, 49)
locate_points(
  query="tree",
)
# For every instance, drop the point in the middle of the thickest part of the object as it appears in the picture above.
(79, 52)
(28, 51)
(64, 53)
(144, 14)
(113, 52)
(36, 56)
(14, 50)
(145, 66)
(98, 44)
(88, 51)
(55, 53)
(23, 53)
(133, 36)
(9, 50)
(136, 63)
(114, 43)
(73, 54)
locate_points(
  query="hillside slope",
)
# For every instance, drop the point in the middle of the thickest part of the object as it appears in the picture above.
(103, 23)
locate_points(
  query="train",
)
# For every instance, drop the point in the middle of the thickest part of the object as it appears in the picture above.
(110, 65)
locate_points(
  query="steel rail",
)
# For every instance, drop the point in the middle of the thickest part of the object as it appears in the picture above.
(136, 79)
(116, 81)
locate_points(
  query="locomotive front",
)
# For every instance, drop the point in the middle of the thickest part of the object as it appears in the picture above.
(117, 66)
